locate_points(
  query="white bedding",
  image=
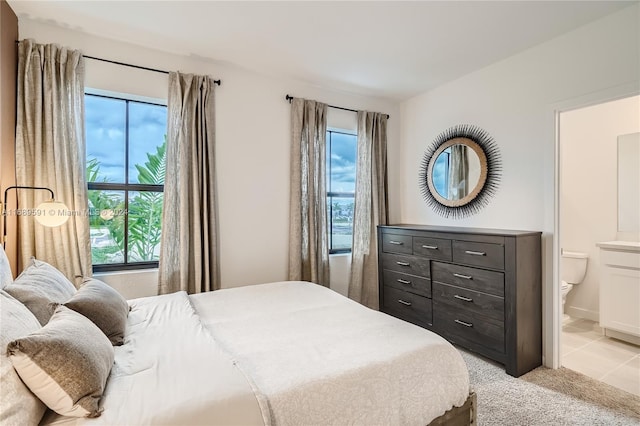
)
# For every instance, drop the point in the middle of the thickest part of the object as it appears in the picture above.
(320, 358)
(170, 371)
(288, 353)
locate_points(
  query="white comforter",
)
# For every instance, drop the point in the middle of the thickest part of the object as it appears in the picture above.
(170, 371)
(289, 353)
(321, 359)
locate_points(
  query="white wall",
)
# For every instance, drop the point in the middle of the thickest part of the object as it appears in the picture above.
(514, 100)
(629, 186)
(588, 188)
(132, 284)
(252, 142)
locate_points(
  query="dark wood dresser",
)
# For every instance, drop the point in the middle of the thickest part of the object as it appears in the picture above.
(478, 288)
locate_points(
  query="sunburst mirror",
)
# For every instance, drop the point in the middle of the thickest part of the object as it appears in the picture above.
(460, 171)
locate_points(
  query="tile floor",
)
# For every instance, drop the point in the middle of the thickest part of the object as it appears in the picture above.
(586, 350)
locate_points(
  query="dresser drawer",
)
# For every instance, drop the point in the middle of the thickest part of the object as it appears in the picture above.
(406, 264)
(479, 254)
(490, 282)
(396, 243)
(463, 326)
(410, 283)
(472, 301)
(433, 248)
(407, 306)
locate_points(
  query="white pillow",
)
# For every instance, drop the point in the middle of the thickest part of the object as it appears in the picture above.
(18, 406)
(66, 363)
(6, 277)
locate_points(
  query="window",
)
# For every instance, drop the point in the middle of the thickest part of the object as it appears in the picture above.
(126, 142)
(341, 184)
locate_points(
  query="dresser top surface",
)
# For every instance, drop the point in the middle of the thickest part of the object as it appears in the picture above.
(461, 230)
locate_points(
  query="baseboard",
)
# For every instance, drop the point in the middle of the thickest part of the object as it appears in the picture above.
(574, 312)
(622, 336)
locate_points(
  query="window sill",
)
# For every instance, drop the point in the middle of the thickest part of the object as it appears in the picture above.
(125, 272)
(340, 254)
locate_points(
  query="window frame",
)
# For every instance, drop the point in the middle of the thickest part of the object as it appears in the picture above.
(125, 187)
(332, 194)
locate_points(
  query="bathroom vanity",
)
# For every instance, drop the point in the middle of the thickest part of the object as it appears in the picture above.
(620, 290)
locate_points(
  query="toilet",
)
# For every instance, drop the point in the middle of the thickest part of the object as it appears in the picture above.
(574, 268)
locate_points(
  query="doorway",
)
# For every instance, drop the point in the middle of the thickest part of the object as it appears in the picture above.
(587, 213)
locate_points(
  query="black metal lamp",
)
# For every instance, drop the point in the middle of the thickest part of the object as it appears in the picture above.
(50, 213)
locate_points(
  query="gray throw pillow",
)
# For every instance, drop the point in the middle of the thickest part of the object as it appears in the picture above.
(18, 405)
(40, 285)
(103, 305)
(66, 363)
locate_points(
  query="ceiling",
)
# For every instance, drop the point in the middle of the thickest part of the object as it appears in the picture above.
(388, 49)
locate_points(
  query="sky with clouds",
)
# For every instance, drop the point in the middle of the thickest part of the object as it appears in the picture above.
(105, 126)
(106, 123)
(341, 162)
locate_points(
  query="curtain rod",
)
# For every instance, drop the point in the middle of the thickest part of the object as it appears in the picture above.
(290, 98)
(218, 82)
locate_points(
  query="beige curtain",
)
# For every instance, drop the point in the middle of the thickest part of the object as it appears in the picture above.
(308, 239)
(50, 152)
(458, 172)
(189, 247)
(370, 207)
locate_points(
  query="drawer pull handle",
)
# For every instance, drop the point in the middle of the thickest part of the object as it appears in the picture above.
(430, 247)
(403, 263)
(466, 299)
(404, 302)
(401, 281)
(396, 243)
(466, 277)
(475, 253)
(466, 324)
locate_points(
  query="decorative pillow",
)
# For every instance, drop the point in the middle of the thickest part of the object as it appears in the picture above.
(40, 285)
(103, 305)
(6, 277)
(66, 363)
(18, 406)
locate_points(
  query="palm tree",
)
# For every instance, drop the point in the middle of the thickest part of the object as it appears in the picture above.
(145, 209)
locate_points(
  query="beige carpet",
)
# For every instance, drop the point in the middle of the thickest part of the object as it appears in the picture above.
(547, 397)
(585, 388)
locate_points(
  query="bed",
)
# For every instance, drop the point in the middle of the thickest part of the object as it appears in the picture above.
(285, 353)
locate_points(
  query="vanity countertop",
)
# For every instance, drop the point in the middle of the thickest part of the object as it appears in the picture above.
(620, 245)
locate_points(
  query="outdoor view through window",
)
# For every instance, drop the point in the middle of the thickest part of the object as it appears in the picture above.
(341, 185)
(441, 173)
(126, 143)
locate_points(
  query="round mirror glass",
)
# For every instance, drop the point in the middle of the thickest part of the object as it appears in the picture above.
(457, 172)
